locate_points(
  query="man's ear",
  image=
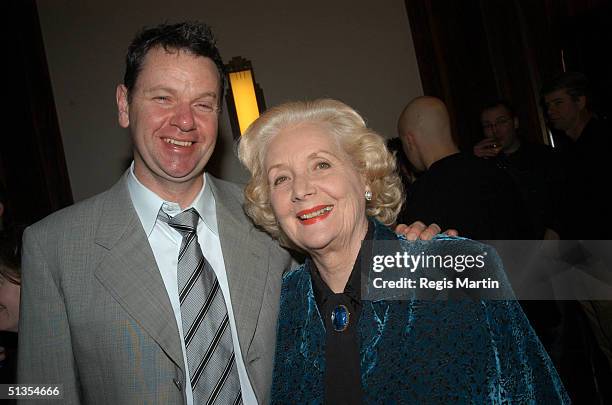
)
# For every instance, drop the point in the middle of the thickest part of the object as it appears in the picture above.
(409, 138)
(515, 122)
(581, 102)
(123, 106)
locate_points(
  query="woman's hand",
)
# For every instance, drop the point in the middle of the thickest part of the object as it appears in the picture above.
(418, 230)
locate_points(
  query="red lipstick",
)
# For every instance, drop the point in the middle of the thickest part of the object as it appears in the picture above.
(315, 219)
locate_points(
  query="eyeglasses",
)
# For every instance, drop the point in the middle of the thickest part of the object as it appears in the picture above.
(501, 121)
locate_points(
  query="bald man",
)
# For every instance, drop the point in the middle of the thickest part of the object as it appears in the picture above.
(457, 190)
(465, 192)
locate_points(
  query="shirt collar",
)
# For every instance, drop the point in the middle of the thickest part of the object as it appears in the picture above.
(147, 204)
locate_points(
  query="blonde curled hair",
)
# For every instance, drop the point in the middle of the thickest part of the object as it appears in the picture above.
(365, 148)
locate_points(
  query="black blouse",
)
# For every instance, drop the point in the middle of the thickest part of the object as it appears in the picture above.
(342, 357)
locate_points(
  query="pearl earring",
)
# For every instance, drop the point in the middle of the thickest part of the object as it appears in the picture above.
(368, 195)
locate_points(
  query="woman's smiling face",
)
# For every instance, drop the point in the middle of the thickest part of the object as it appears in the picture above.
(316, 192)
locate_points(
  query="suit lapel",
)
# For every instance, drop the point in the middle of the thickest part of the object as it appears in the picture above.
(245, 254)
(130, 273)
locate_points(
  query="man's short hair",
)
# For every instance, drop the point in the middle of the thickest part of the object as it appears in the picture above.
(498, 103)
(193, 37)
(575, 83)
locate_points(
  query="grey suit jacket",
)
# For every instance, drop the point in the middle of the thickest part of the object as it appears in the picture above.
(95, 315)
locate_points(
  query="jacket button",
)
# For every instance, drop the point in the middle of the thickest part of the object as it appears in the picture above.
(178, 384)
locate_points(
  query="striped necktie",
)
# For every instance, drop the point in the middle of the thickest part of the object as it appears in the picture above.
(206, 329)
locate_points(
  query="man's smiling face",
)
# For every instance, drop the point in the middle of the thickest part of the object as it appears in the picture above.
(173, 117)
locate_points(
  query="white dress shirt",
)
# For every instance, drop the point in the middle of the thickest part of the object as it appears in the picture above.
(166, 242)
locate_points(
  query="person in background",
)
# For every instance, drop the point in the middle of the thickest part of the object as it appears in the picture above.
(585, 213)
(585, 210)
(10, 289)
(3, 208)
(10, 281)
(405, 169)
(537, 174)
(534, 167)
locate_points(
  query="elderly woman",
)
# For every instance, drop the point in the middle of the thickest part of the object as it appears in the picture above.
(322, 183)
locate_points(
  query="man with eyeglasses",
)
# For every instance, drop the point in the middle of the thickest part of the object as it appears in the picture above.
(534, 167)
(499, 126)
(537, 171)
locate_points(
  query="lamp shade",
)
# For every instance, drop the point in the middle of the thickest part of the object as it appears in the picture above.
(245, 97)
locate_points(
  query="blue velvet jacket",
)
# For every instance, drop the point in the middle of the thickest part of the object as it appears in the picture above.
(417, 352)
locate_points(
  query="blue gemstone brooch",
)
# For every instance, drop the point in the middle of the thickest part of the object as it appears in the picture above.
(340, 318)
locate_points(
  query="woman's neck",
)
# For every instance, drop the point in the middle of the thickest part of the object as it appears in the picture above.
(335, 264)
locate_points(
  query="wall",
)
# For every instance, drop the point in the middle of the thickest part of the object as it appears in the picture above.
(360, 52)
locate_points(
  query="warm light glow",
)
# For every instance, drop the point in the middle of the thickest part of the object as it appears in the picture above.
(243, 90)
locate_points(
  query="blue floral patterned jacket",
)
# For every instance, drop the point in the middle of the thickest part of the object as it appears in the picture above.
(415, 351)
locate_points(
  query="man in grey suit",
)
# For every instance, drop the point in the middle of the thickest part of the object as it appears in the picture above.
(101, 311)
(100, 306)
